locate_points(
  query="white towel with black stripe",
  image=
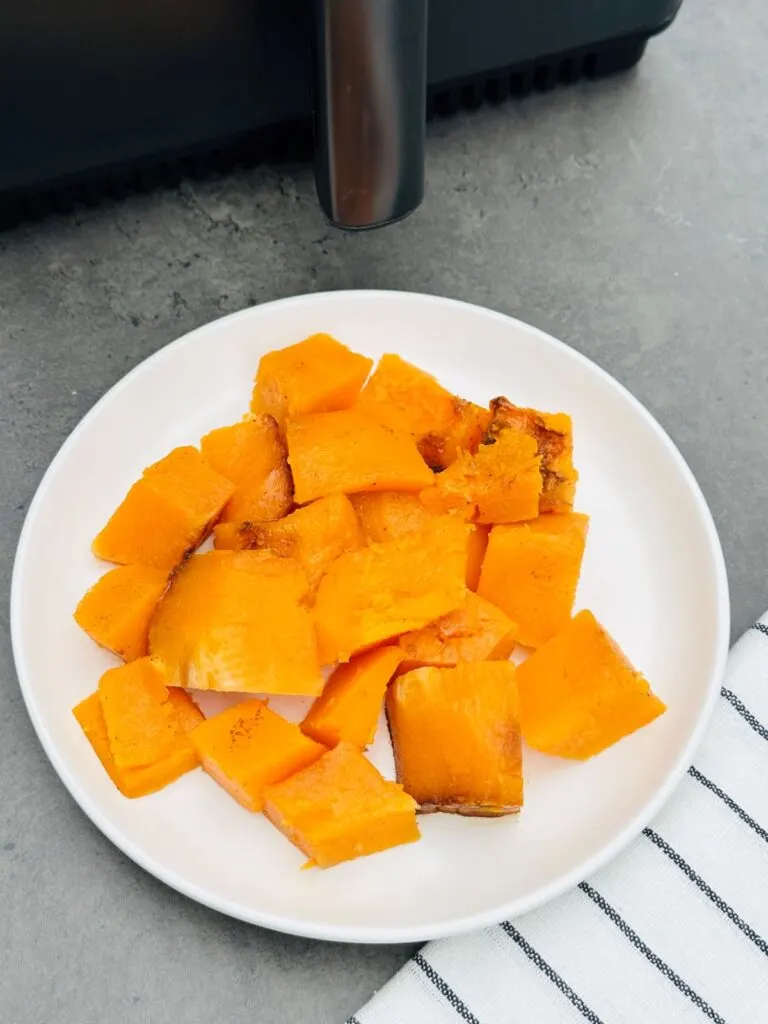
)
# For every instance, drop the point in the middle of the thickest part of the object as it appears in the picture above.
(675, 930)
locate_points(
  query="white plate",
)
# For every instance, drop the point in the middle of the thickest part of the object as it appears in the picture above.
(653, 573)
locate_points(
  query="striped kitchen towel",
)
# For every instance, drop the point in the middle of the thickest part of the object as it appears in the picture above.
(675, 930)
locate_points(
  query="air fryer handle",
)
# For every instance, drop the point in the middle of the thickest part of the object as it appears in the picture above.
(371, 58)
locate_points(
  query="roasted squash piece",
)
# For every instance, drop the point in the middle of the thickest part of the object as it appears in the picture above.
(531, 571)
(389, 515)
(249, 747)
(116, 611)
(476, 631)
(340, 808)
(381, 591)
(252, 455)
(315, 535)
(478, 544)
(456, 738)
(318, 374)
(406, 398)
(553, 434)
(166, 514)
(343, 452)
(139, 717)
(236, 620)
(135, 782)
(579, 693)
(500, 484)
(349, 706)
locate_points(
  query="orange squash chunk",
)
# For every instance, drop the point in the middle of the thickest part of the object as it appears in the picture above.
(476, 631)
(252, 455)
(389, 515)
(341, 808)
(318, 374)
(315, 535)
(166, 514)
(235, 620)
(349, 706)
(478, 544)
(343, 452)
(456, 737)
(140, 720)
(579, 693)
(500, 484)
(553, 434)
(381, 591)
(249, 747)
(117, 609)
(140, 781)
(406, 398)
(531, 571)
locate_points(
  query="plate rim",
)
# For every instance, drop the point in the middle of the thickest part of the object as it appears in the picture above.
(358, 933)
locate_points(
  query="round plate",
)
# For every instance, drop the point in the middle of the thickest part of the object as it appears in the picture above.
(653, 574)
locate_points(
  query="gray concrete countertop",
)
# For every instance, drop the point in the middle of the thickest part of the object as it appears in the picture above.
(627, 217)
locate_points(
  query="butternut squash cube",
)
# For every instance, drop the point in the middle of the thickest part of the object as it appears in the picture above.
(376, 593)
(553, 434)
(476, 631)
(140, 781)
(166, 514)
(117, 609)
(456, 738)
(318, 374)
(140, 720)
(349, 706)
(249, 747)
(389, 515)
(252, 455)
(579, 693)
(236, 620)
(531, 571)
(314, 535)
(478, 544)
(341, 808)
(500, 484)
(441, 448)
(343, 452)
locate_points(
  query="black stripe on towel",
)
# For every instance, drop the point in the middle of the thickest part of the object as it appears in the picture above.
(650, 956)
(445, 990)
(729, 802)
(551, 973)
(760, 627)
(745, 713)
(707, 889)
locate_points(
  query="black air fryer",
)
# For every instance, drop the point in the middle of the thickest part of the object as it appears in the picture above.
(101, 99)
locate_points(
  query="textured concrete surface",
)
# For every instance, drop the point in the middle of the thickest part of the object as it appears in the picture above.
(627, 217)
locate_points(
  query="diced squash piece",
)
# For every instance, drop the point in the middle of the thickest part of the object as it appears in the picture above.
(406, 398)
(248, 747)
(117, 609)
(478, 544)
(220, 608)
(500, 484)
(389, 515)
(252, 455)
(318, 374)
(232, 536)
(140, 720)
(314, 535)
(579, 693)
(349, 706)
(341, 808)
(553, 433)
(381, 591)
(343, 452)
(166, 514)
(476, 631)
(456, 738)
(135, 782)
(531, 571)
